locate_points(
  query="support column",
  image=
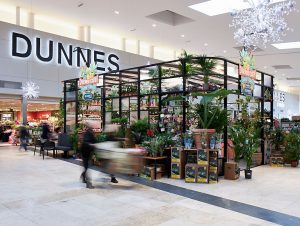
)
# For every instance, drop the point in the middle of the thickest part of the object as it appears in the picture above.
(174, 55)
(88, 34)
(24, 110)
(18, 12)
(81, 33)
(138, 47)
(124, 44)
(151, 52)
(31, 20)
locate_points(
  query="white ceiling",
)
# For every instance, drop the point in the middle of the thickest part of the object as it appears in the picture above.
(214, 31)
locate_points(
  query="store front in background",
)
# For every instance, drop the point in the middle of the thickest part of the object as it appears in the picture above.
(37, 113)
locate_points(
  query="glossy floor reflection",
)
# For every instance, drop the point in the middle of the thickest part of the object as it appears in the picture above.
(48, 192)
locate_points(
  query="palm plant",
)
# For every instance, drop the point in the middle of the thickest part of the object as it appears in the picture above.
(209, 113)
(207, 66)
(188, 59)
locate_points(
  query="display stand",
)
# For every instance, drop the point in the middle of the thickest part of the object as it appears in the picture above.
(159, 92)
(155, 160)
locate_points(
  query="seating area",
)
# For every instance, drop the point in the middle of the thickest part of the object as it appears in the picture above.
(63, 144)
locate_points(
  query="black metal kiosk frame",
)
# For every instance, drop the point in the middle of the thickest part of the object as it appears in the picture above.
(123, 94)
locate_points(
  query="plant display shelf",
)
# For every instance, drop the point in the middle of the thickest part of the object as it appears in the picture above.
(158, 80)
(155, 160)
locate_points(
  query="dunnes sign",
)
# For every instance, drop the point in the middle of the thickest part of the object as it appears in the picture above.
(24, 47)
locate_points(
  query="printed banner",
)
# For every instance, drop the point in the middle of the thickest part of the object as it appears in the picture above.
(247, 72)
(88, 82)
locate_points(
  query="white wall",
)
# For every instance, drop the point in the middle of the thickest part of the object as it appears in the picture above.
(285, 104)
(49, 75)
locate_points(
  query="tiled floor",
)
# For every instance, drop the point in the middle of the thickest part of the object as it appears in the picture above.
(37, 192)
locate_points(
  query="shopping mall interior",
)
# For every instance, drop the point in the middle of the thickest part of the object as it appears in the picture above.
(149, 112)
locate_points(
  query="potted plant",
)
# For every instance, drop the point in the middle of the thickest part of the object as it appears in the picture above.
(210, 116)
(245, 135)
(252, 143)
(207, 66)
(277, 138)
(292, 148)
(139, 130)
(188, 59)
(74, 140)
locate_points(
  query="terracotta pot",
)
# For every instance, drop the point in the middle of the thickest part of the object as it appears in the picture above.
(202, 137)
(294, 163)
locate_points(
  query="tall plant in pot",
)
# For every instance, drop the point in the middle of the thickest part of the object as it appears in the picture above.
(292, 148)
(245, 135)
(207, 66)
(277, 138)
(210, 116)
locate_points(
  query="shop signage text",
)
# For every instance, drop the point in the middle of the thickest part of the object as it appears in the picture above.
(103, 61)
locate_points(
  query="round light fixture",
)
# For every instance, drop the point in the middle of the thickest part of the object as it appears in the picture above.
(154, 25)
(182, 36)
(117, 12)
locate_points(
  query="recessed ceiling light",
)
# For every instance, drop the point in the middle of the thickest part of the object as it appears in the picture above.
(117, 12)
(287, 45)
(182, 36)
(154, 25)
(275, 71)
(80, 4)
(224, 51)
(205, 44)
(217, 7)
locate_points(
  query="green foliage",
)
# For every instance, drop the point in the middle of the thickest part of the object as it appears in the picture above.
(209, 113)
(211, 117)
(121, 121)
(207, 66)
(139, 129)
(245, 133)
(158, 143)
(101, 137)
(188, 59)
(277, 137)
(60, 114)
(292, 147)
(74, 139)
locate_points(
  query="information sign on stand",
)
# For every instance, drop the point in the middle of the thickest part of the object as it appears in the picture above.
(88, 82)
(247, 72)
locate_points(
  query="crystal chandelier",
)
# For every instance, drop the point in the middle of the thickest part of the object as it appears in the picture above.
(263, 22)
(30, 90)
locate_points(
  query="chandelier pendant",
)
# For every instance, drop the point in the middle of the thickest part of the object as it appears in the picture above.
(262, 23)
(30, 90)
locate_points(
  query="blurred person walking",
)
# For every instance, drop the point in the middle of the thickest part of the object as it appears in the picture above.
(86, 152)
(45, 133)
(24, 135)
(111, 133)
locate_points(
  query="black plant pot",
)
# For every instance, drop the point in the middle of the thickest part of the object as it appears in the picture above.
(248, 174)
